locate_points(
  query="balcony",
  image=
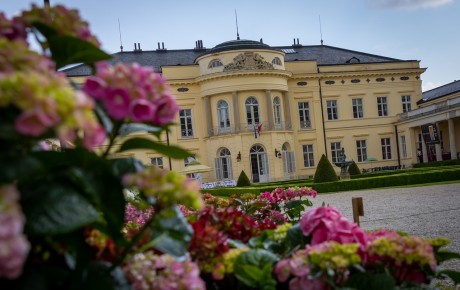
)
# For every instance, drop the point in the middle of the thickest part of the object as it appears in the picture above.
(246, 127)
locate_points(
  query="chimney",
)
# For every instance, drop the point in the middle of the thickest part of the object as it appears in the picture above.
(297, 43)
(199, 45)
(139, 46)
(162, 45)
(135, 46)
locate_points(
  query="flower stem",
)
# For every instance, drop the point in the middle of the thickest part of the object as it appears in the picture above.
(113, 135)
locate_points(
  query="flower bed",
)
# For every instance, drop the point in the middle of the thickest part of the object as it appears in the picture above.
(76, 219)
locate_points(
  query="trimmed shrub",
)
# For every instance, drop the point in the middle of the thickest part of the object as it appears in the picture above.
(243, 180)
(438, 163)
(325, 172)
(353, 169)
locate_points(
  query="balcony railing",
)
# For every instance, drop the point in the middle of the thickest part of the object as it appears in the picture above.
(246, 127)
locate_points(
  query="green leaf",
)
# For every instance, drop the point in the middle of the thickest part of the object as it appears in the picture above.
(295, 238)
(135, 127)
(57, 209)
(67, 50)
(254, 269)
(15, 168)
(367, 280)
(172, 233)
(442, 256)
(142, 143)
(122, 166)
(454, 275)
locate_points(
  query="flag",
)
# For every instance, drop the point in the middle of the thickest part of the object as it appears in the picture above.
(259, 128)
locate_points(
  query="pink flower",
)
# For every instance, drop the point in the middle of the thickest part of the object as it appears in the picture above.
(95, 87)
(117, 103)
(35, 122)
(166, 111)
(142, 110)
(94, 137)
(283, 270)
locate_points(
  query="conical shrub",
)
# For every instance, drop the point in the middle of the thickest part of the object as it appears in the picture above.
(324, 171)
(243, 180)
(353, 169)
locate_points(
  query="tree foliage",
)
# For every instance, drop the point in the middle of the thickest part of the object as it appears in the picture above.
(325, 172)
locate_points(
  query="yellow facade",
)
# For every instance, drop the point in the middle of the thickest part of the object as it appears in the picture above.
(349, 93)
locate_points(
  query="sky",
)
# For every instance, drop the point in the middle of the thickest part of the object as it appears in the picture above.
(424, 30)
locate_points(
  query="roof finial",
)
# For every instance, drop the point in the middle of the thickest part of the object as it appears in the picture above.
(237, 34)
(320, 31)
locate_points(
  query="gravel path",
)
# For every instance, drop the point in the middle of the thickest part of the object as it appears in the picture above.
(427, 211)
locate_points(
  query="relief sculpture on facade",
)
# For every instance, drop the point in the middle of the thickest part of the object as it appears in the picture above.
(248, 61)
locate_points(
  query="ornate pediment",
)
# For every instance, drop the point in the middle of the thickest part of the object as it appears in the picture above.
(248, 61)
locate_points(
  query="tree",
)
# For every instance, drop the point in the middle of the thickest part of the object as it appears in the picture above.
(325, 172)
(353, 169)
(243, 180)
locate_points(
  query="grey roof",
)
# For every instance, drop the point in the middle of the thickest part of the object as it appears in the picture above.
(323, 54)
(439, 92)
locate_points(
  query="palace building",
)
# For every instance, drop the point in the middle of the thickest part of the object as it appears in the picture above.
(274, 111)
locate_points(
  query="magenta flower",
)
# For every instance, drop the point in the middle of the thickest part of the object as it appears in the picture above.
(327, 224)
(35, 122)
(95, 87)
(142, 110)
(117, 103)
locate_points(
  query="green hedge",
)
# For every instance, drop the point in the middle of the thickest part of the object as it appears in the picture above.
(438, 163)
(400, 179)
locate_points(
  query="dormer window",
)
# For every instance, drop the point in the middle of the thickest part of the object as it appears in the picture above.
(215, 63)
(276, 61)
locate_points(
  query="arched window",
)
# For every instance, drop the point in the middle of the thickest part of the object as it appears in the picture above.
(223, 116)
(277, 112)
(215, 63)
(224, 164)
(252, 112)
(259, 164)
(277, 61)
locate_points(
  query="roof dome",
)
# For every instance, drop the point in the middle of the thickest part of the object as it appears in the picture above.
(239, 44)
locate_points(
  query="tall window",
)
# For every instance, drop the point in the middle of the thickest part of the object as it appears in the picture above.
(382, 106)
(252, 111)
(288, 159)
(332, 110)
(406, 105)
(403, 147)
(361, 149)
(386, 148)
(308, 157)
(304, 115)
(224, 164)
(186, 127)
(336, 148)
(277, 111)
(157, 161)
(357, 108)
(223, 116)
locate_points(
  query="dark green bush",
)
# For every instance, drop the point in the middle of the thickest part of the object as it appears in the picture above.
(325, 172)
(353, 169)
(438, 163)
(243, 180)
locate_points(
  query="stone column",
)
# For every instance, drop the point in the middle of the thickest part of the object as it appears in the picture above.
(268, 97)
(453, 148)
(287, 111)
(207, 110)
(236, 111)
(437, 147)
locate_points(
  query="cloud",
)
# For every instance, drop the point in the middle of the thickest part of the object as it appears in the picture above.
(408, 4)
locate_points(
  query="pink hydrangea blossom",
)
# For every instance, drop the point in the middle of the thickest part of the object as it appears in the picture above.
(14, 246)
(133, 92)
(327, 224)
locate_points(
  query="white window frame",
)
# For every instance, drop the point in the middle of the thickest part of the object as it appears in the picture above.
(277, 111)
(186, 123)
(382, 106)
(361, 150)
(386, 148)
(215, 63)
(357, 108)
(304, 115)
(332, 110)
(308, 155)
(336, 151)
(288, 159)
(223, 115)
(403, 147)
(224, 165)
(277, 61)
(406, 103)
(252, 111)
(157, 161)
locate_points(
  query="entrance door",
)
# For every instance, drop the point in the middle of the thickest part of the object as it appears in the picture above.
(259, 164)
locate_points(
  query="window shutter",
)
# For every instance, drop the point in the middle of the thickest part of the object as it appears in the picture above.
(218, 164)
(229, 162)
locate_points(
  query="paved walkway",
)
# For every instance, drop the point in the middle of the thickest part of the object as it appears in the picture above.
(427, 211)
